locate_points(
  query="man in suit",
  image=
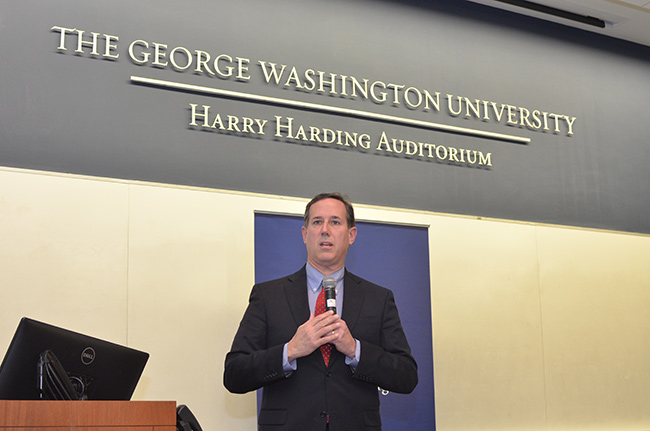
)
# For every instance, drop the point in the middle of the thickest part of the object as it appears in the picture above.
(278, 343)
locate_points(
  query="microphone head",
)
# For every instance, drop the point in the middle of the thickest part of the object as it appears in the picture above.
(329, 282)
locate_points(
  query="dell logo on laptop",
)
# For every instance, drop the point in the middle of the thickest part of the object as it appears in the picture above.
(88, 356)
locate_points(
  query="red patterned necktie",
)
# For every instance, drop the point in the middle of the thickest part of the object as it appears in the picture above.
(325, 349)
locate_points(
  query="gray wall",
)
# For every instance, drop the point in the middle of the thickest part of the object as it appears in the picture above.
(81, 113)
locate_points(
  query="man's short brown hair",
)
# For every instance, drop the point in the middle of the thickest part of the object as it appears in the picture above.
(349, 211)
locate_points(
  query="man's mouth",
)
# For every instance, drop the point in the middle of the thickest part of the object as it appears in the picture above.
(326, 244)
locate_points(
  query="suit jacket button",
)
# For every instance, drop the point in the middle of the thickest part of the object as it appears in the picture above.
(328, 374)
(323, 414)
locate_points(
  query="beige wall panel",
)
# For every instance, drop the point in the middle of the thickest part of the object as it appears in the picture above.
(63, 254)
(596, 313)
(487, 335)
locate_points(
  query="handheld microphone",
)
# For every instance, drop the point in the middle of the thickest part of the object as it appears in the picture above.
(329, 285)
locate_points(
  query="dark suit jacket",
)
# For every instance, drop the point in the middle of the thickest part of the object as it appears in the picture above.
(302, 400)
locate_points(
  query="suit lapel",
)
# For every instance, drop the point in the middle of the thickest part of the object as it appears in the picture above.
(354, 294)
(296, 293)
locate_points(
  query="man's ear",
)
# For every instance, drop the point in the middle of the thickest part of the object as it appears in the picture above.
(304, 234)
(353, 234)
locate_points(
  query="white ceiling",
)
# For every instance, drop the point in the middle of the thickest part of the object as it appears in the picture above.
(624, 19)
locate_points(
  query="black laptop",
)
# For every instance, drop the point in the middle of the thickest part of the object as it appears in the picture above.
(40, 355)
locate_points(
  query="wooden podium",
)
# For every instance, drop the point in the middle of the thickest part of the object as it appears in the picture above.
(87, 415)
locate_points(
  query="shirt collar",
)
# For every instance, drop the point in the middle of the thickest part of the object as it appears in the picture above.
(314, 277)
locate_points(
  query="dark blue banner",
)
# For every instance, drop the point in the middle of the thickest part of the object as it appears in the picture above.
(393, 256)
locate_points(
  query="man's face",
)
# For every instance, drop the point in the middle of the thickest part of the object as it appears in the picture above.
(327, 235)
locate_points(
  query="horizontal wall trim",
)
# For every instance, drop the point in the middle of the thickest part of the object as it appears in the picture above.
(305, 200)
